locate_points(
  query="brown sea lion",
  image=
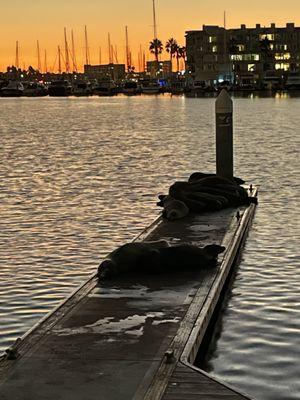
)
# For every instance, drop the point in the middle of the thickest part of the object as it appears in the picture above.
(197, 200)
(174, 209)
(195, 176)
(181, 257)
(209, 190)
(127, 258)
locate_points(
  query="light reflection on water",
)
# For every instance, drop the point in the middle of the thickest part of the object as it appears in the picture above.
(78, 177)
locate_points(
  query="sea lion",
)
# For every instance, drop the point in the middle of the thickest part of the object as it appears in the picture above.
(181, 257)
(196, 200)
(196, 176)
(174, 209)
(127, 258)
(228, 194)
(211, 192)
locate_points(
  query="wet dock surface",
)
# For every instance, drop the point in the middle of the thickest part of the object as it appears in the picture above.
(133, 337)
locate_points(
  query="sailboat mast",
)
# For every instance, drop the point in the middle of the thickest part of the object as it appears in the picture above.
(144, 61)
(109, 49)
(154, 21)
(140, 58)
(59, 60)
(112, 53)
(67, 60)
(74, 61)
(87, 55)
(38, 56)
(99, 55)
(45, 62)
(116, 54)
(127, 49)
(17, 54)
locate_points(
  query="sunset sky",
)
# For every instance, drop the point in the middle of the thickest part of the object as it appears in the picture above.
(27, 21)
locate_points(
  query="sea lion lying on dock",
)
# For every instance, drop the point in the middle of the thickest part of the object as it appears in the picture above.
(127, 257)
(156, 257)
(181, 257)
(196, 176)
(173, 208)
(207, 192)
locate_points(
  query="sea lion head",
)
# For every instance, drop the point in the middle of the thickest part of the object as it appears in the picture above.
(107, 269)
(213, 250)
(175, 209)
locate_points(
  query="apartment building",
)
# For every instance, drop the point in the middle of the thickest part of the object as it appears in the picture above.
(113, 71)
(216, 54)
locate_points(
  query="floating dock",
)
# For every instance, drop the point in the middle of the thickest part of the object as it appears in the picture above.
(132, 338)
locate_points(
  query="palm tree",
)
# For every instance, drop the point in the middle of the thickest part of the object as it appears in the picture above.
(171, 47)
(182, 53)
(156, 48)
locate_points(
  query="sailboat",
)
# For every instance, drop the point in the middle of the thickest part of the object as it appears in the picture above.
(12, 89)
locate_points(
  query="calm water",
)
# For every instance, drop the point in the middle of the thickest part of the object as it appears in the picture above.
(79, 177)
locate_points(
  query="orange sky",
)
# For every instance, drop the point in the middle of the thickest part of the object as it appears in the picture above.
(27, 21)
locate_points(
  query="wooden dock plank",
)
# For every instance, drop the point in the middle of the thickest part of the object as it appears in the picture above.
(187, 383)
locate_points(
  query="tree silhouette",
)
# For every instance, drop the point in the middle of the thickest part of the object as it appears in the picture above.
(171, 47)
(156, 48)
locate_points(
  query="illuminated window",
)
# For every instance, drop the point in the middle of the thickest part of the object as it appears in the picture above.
(244, 57)
(236, 57)
(251, 67)
(271, 46)
(214, 49)
(283, 66)
(212, 39)
(240, 47)
(269, 36)
(281, 47)
(282, 56)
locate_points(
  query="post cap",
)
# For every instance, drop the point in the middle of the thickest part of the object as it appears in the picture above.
(224, 103)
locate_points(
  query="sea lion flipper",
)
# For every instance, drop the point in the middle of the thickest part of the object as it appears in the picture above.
(213, 250)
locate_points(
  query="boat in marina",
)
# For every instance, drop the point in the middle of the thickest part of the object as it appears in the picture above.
(150, 87)
(130, 88)
(293, 81)
(105, 88)
(199, 87)
(35, 89)
(60, 88)
(82, 88)
(12, 89)
(178, 87)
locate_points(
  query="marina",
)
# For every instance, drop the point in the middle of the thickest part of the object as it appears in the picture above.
(62, 87)
(149, 200)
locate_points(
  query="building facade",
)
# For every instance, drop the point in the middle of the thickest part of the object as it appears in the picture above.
(216, 54)
(163, 70)
(112, 71)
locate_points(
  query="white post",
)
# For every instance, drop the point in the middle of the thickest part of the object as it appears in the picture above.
(224, 135)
